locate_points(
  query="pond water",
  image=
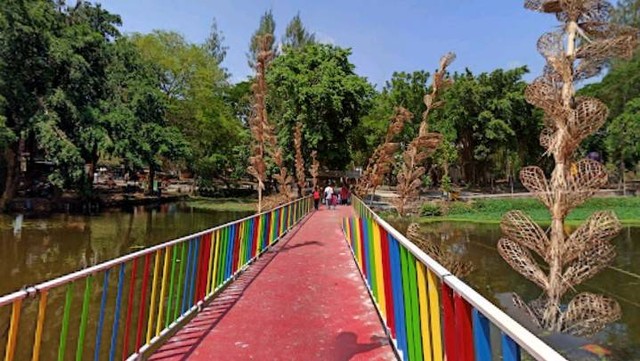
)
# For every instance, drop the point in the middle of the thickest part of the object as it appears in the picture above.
(50, 247)
(495, 280)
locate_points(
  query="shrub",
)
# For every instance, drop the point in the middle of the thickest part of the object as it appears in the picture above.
(430, 209)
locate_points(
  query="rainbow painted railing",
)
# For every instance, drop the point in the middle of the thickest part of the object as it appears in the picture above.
(141, 297)
(429, 313)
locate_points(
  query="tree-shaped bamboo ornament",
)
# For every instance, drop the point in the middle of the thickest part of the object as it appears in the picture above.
(300, 173)
(315, 168)
(379, 164)
(259, 124)
(422, 146)
(579, 50)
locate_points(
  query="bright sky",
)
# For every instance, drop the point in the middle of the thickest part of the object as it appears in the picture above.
(385, 35)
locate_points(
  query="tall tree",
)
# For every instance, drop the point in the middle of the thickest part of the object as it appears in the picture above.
(72, 130)
(318, 87)
(485, 113)
(267, 26)
(623, 137)
(196, 90)
(136, 111)
(214, 44)
(53, 61)
(296, 35)
(26, 32)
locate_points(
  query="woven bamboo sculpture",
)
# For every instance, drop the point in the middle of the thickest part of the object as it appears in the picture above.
(261, 130)
(315, 168)
(300, 173)
(422, 146)
(379, 164)
(578, 51)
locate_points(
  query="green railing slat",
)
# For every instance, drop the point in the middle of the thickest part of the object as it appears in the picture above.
(84, 318)
(65, 322)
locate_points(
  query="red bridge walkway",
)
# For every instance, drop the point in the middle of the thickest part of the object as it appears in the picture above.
(303, 300)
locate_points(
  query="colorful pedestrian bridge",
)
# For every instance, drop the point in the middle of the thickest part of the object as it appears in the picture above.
(287, 284)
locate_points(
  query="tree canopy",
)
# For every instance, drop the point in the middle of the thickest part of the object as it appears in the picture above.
(317, 86)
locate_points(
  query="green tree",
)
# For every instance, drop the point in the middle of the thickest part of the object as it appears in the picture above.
(623, 136)
(136, 113)
(267, 26)
(296, 35)
(214, 44)
(195, 87)
(71, 129)
(318, 87)
(53, 61)
(403, 89)
(26, 30)
(485, 113)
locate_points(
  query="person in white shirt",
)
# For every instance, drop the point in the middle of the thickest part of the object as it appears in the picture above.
(328, 193)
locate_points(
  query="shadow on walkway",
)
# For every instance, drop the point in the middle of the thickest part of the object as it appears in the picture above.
(347, 345)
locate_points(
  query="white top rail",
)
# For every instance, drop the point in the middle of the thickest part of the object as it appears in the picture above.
(527, 340)
(32, 290)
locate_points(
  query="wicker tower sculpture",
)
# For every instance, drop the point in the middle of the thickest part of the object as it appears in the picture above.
(423, 145)
(381, 161)
(579, 49)
(261, 129)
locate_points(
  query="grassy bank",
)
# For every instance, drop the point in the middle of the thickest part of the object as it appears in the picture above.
(223, 204)
(491, 210)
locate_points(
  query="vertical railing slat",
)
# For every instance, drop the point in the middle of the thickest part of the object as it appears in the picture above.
(64, 332)
(143, 301)
(464, 332)
(16, 308)
(424, 312)
(434, 313)
(154, 290)
(84, 318)
(116, 314)
(103, 307)
(481, 336)
(510, 349)
(129, 311)
(448, 316)
(42, 309)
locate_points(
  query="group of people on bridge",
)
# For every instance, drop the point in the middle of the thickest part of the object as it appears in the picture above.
(331, 196)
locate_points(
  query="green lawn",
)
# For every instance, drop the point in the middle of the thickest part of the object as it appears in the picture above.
(491, 210)
(223, 204)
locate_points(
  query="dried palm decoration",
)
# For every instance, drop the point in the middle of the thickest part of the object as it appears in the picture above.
(449, 260)
(379, 164)
(315, 168)
(283, 178)
(300, 173)
(422, 146)
(261, 130)
(579, 50)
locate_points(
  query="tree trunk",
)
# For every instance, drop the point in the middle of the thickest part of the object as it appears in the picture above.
(11, 178)
(152, 175)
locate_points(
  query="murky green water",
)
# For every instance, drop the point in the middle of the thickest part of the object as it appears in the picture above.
(49, 247)
(494, 279)
(54, 246)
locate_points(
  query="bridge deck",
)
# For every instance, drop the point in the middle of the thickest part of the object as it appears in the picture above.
(304, 300)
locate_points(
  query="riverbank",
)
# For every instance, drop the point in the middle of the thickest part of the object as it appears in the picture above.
(491, 210)
(223, 204)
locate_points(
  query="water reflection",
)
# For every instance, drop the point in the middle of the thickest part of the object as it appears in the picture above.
(34, 250)
(495, 280)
